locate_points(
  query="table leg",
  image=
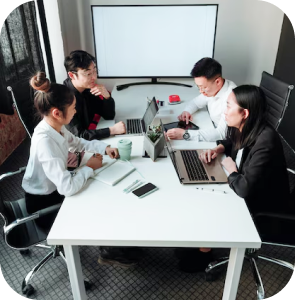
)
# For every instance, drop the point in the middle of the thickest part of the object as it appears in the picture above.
(75, 272)
(233, 273)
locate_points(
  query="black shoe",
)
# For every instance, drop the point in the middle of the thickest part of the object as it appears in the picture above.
(122, 257)
(195, 261)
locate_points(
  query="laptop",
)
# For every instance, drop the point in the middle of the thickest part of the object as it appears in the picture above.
(190, 169)
(139, 126)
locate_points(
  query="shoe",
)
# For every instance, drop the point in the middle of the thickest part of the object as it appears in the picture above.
(122, 257)
(195, 261)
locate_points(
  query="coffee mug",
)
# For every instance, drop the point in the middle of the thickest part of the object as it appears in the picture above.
(124, 148)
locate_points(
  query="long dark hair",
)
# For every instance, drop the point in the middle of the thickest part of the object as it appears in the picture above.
(249, 97)
(49, 95)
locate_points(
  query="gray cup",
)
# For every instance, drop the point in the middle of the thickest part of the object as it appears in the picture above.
(124, 148)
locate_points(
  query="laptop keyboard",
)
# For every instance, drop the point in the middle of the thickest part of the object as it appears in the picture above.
(134, 126)
(193, 165)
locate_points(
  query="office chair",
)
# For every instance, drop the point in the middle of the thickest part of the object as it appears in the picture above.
(22, 233)
(277, 95)
(22, 95)
(275, 229)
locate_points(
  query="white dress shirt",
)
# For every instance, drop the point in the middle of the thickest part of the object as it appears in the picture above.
(47, 167)
(216, 107)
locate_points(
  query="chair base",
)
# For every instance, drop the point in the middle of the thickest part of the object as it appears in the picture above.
(27, 289)
(251, 255)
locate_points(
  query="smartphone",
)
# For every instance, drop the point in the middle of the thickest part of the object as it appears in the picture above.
(182, 125)
(145, 190)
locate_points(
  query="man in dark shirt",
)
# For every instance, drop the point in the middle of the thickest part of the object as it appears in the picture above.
(93, 101)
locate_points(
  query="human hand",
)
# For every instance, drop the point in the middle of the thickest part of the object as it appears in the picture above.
(112, 152)
(229, 165)
(99, 89)
(95, 162)
(207, 155)
(118, 128)
(186, 117)
(175, 133)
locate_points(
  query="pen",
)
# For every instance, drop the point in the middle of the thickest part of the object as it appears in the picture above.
(135, 187)
(131, 185)
(211, 190)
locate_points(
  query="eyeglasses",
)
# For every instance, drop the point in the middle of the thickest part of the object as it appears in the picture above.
(89, 73)
(206, 88)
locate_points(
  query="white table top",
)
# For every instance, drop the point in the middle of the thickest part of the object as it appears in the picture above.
(174, 216)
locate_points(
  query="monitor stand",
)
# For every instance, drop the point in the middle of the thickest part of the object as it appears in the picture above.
(153, 81)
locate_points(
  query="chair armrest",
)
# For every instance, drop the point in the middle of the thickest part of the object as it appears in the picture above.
(35, 215)
(12, 173)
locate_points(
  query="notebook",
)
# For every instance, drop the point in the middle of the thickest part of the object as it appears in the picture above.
(113, 171)
(140, 126)
(190, 169)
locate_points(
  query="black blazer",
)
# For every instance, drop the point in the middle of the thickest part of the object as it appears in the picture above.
(262, 178)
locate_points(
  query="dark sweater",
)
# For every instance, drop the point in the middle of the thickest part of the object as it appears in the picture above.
(89, 108)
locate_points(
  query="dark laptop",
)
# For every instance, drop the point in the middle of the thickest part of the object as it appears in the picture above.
(139, 126)
(190, 169)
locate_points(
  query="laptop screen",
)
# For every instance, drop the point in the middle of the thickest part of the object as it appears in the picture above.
(169, 147)
(150, 114)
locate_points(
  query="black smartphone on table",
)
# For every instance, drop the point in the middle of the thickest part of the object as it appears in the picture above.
(182, 125)
(145, 190)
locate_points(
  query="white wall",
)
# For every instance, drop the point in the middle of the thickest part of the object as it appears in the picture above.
(56, 38)
(247, 35)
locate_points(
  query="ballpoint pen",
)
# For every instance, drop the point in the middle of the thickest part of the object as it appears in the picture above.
(135, 186)
(211, 190)
(131, 185)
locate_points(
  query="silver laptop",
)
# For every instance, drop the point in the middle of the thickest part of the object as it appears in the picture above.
(139, 126)
(190, 169)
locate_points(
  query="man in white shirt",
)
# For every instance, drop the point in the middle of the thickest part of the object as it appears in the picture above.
(214, 90)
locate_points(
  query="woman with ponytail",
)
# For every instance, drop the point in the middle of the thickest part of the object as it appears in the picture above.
(47, 180)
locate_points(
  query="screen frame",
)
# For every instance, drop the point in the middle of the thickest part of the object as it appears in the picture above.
(150, 5)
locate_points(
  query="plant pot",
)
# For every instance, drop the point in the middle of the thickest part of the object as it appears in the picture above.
(153, 149)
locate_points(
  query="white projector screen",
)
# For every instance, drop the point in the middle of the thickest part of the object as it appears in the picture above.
(152, 41)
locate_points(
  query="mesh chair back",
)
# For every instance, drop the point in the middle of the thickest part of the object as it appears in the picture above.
(277, 94)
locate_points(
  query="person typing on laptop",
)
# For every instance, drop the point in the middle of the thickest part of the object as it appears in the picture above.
(255, 163)
(214, 90)
(93, 100)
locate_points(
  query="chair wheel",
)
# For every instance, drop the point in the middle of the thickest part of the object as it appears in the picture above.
(87, 285)
(28, 290)
(24, 252)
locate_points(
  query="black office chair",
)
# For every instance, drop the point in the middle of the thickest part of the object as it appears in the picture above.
(275, 229)
(21, 233)
(277, 95)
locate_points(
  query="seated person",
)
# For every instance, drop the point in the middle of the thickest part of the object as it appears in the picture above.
(93, 100)
(214, 90)
(256, 163)
(47, 181)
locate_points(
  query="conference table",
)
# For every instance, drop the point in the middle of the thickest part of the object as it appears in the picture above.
(174, 216)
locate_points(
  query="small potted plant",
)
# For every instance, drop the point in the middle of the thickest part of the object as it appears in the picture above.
(154, 141)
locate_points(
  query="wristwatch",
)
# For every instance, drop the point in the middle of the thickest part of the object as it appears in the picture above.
(186, 136)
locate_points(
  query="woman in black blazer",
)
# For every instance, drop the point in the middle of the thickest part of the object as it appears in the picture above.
(255, 163)
(255, 158)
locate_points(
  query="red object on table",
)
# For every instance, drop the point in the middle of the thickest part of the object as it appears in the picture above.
(174, 98)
